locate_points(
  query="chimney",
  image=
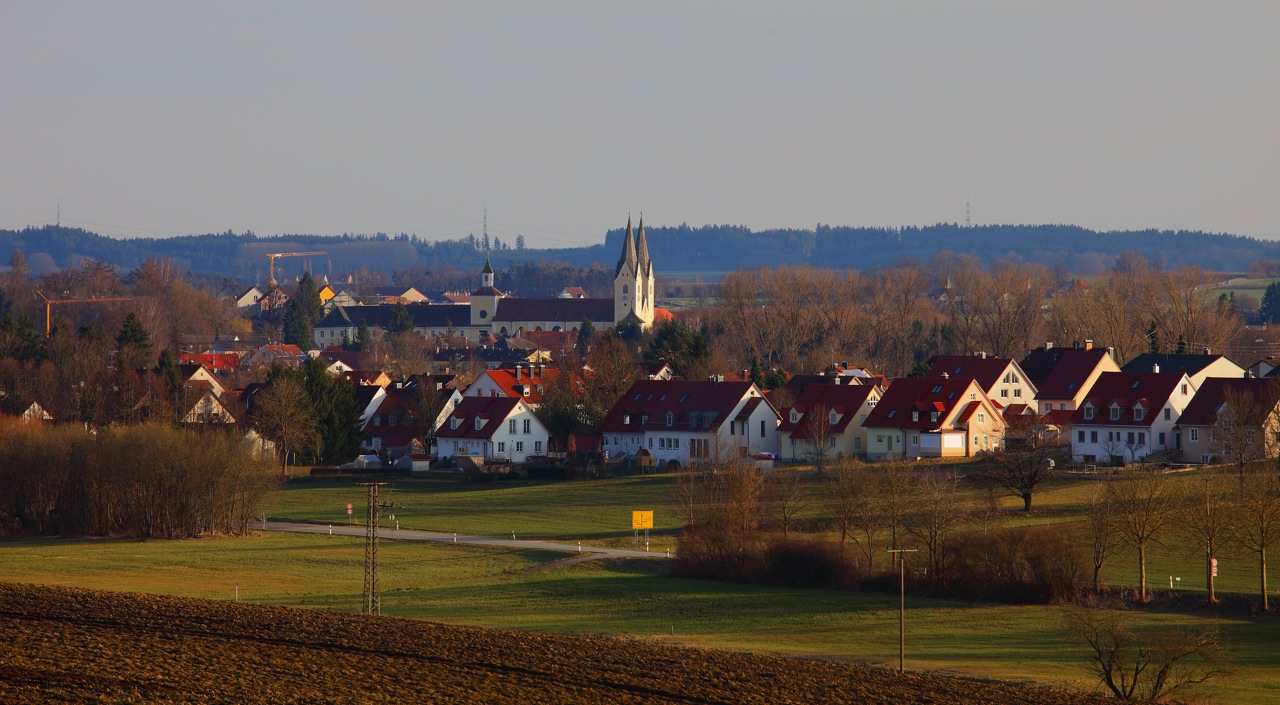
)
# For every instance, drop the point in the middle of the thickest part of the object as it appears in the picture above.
(1155, 367)
(1048, 345)
(1111, 352)
(1088, 345)
(1208, 351)
(946, 376)
(517, 372)
(983, 355)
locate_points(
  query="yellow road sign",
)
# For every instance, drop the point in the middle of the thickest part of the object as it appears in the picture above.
(642, 520)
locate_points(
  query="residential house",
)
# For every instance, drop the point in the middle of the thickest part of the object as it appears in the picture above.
(494, 428)
(826, 420)
(392, 425)
(1197, 367)
(249, 298)
(1001, 378)
(526, 382)
(1062, 376)
(1130, 416)
(691, 421)
(1212, 412)
(217, 363)
(209, 408)
(932, 417)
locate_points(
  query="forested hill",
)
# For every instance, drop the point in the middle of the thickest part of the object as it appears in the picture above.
(708, 248)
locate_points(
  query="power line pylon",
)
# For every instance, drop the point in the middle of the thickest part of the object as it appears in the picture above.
(372, 592)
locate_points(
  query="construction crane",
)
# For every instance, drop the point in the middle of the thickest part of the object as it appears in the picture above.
(50, 303)
(273, 256)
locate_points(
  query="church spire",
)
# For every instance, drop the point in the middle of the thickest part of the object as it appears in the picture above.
(627, 262)
(642, 251)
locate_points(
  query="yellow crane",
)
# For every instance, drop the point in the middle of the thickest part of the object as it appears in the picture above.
(273, 256)
(50, 303)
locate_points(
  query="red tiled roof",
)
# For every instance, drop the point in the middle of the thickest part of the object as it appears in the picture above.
(845, 399)
(492, 409)
(987, 371)
(1202, 410)
(693, 404)
(217, 363)
(1059, 373)
(1126, 389)
(531, 377)
(922, 394)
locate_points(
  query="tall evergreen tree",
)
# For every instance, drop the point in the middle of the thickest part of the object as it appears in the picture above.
(296, 326)
(133, 344)
(1269, 311)
(337, 415)
(399, 320)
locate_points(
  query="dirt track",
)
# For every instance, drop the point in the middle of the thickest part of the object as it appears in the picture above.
(67, 645)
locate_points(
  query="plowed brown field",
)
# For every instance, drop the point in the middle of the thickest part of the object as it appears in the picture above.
(67, 645)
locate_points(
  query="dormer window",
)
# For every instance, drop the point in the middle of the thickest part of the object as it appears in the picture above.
(1139, 412)
(626, 419)
(1088, 412)
(1115, 411)
(915, 416)
(454, 422)
(834, 416)
(795, 416)
(671, 419)
(933, 416)
(479, 423)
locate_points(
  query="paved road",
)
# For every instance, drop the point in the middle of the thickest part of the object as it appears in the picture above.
(409, 535)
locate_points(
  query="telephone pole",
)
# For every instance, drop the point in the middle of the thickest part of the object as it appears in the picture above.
(902, 606)
(372, 592)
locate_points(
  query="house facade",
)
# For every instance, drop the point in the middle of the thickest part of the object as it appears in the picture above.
(827, 421)
(689, 421)
(1228, 418)
(940, 417)
(1129, 417)
(494, 428)
(1000, 378)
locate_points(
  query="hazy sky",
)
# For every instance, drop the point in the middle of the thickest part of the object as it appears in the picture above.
(174, 118)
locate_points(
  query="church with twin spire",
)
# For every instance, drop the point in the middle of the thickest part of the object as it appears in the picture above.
(494, 312)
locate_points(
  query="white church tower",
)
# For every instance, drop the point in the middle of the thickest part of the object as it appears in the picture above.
(633, 285)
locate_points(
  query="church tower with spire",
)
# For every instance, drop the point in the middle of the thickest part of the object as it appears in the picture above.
(484, 301)
(633, 286)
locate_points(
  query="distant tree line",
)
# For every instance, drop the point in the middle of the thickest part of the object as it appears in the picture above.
(715, 248)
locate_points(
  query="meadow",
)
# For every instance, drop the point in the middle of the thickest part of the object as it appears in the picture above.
(518, 589)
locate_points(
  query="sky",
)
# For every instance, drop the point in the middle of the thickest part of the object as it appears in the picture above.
(559, 119)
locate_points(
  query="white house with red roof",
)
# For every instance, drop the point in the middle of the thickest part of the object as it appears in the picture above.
(938, 417)
(691, 421)
(392, 425)
(1001, 378)
(1128, 416)
(495, 428)
(830, 414)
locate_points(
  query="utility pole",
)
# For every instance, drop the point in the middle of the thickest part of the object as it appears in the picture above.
(902, 606)
(372, 592)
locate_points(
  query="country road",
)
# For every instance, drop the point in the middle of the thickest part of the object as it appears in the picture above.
(410, 535)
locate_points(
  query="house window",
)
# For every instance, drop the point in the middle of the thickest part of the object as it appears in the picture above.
(1167, 413)
(986, 441)
(511, 426)
(391, 420)
(1004, 393)
(677, 440)
(832, 442)
(1079, 436)
(650, 443)
(377, 419)
(1142, 438)
(1184, 390)
(1088, 412)
(537, 446)
(933, 416)
(857, 442)
(982, 418)
(671, 419)
(527, 425)
(1115, 412)
(626, 419)
(1093, 436)
(1138, 413)
(762, 428)
(519, 446)
(1162, 438)
(502, 447)
(1017, 392)
(915, 439)
(732, 424)
(1194, 435)
(1129, 440)
(915, 416)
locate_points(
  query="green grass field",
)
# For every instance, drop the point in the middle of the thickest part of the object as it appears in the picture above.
(635, 599)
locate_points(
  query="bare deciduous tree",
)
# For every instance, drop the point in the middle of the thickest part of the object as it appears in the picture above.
(1143, 504)
(282, 414)
(1258, 517)
(1100, 524)
(789, 496)
(1027, 463)
(937, 515)
(1208, 518)
(1150, 666)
